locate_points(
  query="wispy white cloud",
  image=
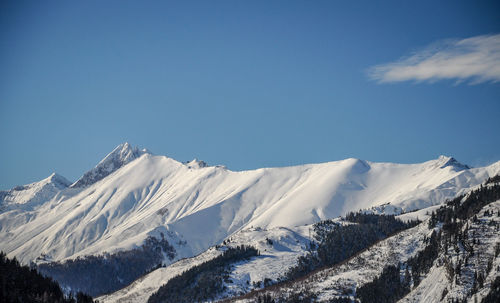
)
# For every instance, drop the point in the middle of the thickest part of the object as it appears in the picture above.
(475, 60)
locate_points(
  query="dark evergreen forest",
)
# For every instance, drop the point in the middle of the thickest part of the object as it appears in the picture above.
(23, 284)
(337, 242)
(106, 273)
(494, 294)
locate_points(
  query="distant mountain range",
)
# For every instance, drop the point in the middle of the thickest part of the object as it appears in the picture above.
(135, 201)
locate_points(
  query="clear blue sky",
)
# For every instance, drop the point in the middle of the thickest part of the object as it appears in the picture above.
(246, 84)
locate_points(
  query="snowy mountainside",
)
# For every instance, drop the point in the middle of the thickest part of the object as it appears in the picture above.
(337, 281)
(342, 281)
(279, 249)
(133, 195)
(447, 280)
(204, 205)
(453, 256)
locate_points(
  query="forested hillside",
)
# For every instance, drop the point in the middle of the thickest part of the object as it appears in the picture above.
(336, 242)
(105, 273)
(22, 284)
(202, 282)
(457, 260)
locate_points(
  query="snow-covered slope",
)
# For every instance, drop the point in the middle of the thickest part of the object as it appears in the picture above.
(144, 194)
(279, 247)
(337, 281)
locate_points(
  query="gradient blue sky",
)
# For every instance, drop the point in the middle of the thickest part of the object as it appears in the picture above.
(246, 84)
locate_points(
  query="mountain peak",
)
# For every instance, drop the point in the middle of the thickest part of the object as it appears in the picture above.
(123, 153)
(445, 161)
(36, 192)
(58, 180)
(120, 156)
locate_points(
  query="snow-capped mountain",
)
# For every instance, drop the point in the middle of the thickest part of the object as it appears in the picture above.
(133, 195)
(122, 203)
(121, 155)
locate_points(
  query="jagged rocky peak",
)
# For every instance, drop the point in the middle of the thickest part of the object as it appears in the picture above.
(358, 165)
(445, 161)
(123, 153)
(195, 163)
(120, 156)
